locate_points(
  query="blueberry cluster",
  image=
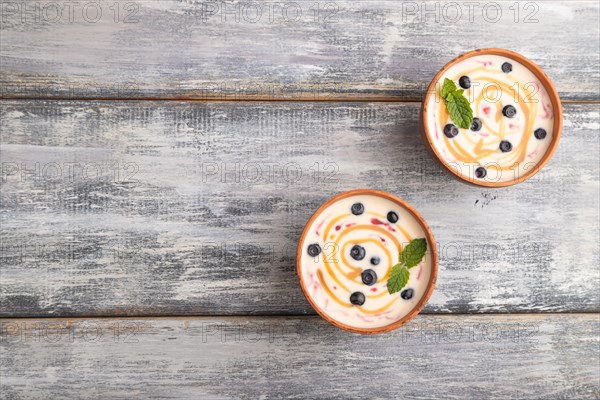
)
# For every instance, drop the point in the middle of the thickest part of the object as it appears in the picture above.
(368, 276)
(509, 111)
(358, 253)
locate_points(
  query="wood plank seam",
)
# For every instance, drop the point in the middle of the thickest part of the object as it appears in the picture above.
(391, 100)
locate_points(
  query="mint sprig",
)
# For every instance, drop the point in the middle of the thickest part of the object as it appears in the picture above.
(457, 104)
(409, 257)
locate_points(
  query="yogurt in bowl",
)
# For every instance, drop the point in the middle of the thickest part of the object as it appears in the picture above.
(517, 118)
(346, 255)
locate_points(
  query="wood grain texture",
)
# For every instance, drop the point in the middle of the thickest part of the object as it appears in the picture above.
(187, 208)
(450, 357)
(302, 49)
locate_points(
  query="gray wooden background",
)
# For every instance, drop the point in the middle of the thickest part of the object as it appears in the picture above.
(160, 159)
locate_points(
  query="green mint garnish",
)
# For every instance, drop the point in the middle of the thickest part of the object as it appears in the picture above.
(398, 278)
(448, 87)
(409, 257)
(457, 104)
(413, 253)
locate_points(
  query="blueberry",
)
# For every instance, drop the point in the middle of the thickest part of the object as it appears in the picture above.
(450, 130)
(357, 298)
(505, 146)
(358, 208)
(540, 133)
(314, 250)
(369, 277)
(392, 217)
(407, 294)
(375, 260)
(476, 125)
(480, 172)
(506, 67)
(357, 252)
(509, 111)
(464, 82)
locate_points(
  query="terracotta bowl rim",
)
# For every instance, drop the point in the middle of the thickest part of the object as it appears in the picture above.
(432, 250)
(544, 80)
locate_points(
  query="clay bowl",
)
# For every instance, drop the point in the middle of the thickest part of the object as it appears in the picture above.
(431, 253)
(552, 95)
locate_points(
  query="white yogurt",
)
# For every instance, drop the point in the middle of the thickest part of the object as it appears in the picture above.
(491, 90)
(333, 275)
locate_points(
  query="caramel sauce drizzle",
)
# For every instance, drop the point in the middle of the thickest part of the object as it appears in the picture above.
(483, 147)
(336, 269)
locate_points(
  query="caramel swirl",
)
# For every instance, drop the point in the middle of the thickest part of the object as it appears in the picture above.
(492, 89)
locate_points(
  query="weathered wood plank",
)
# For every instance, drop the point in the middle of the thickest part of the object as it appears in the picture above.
(304, 49)
(450, 357)
(148, 208)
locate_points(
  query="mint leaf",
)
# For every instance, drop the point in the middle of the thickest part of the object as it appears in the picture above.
(459, 109)
(410, 256)
(448, 87)
(398, 278)
(458, 106)
(413, 253)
